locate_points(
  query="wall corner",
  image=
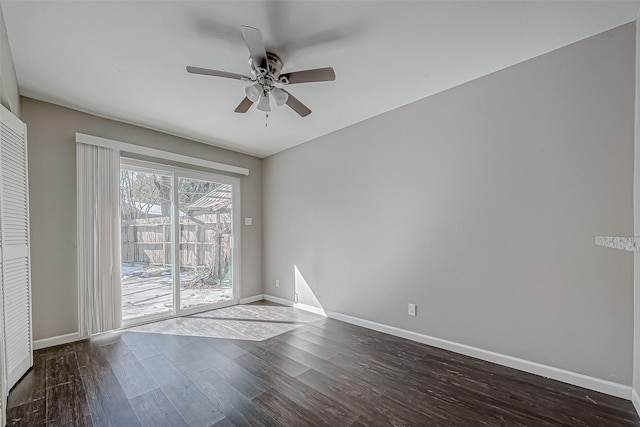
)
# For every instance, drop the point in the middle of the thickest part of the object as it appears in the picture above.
(9, 93)
(636, 228)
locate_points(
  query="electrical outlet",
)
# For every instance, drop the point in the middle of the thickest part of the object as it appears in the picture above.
(277, 283)
(412, 309)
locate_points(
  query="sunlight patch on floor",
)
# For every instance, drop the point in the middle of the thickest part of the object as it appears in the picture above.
(240, 322)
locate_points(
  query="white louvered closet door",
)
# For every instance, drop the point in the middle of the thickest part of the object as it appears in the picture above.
(14, 240)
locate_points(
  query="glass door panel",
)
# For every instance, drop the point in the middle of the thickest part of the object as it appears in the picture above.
(205, 242)
(146, 250)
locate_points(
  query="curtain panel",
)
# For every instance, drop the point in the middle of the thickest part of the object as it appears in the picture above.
(98, 239)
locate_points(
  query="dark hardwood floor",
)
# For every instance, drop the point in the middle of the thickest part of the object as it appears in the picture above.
(266, 364)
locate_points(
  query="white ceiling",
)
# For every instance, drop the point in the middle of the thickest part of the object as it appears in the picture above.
(126, 60)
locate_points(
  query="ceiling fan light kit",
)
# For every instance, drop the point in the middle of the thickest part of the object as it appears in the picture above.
(265, 69)
(263, 103)
(253, 92)
(279, 96)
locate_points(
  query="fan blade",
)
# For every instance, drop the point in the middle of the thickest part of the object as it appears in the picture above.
(307, 76)
(253, 39)
(297, 106)
(243, 107)
(216, 73)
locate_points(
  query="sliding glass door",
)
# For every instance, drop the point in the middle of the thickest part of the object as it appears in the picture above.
(177, 241)
(146, 220)
(206, 231)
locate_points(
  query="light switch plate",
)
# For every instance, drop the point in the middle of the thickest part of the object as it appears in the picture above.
(248, 221)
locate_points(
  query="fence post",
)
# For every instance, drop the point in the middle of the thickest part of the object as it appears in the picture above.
(132, 237)
(166, 248)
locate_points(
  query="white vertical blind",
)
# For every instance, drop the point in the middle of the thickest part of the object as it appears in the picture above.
(14, 240)
(98, 235)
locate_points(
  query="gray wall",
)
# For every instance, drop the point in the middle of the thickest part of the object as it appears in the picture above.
(9, 96)
(52, 188)
(636, 216)
(479, 204)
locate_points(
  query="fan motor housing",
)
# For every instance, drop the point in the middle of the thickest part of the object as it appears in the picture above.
(274, 64)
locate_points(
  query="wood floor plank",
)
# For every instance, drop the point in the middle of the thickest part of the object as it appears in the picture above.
(154, 410)
(33, 413)
(269, 365)
(194, 357)
(331, 370)
(441, 406)
(139, 345)
(32, 386)
(246, 414)
(358, 349)
(356, 400)
(329, 410)
(275, 359)
(370, 369)
(288, 412)
(108, 404)
(333, 411)
(133, 379)
(58, 350)
(532, 393)
(259, 367)
(455, 385)
(226, 347)
(61, 369)
(66, 404)
(162, 370)
(222, 395)
(242, 380)
(224, 423)
(237, 408)
(308, 346)
(190, 403)
(165, 342)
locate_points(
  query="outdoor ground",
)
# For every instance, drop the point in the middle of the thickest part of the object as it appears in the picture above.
(146, 290)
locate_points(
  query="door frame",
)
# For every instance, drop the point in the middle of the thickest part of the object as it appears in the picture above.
(176, 173)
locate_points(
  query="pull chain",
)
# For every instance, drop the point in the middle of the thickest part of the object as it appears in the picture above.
(266, 117)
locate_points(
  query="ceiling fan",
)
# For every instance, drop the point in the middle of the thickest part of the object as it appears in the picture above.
(265, 71)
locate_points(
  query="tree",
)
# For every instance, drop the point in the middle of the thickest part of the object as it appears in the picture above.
(140, 191)
(164, 185)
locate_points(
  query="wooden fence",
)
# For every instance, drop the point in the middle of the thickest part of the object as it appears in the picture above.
(204, 242)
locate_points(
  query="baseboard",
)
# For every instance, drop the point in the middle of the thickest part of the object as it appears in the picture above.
(60, 339)
(574, 378)
(278, 300)
(635, 399)
(254, 298)
(310, 308)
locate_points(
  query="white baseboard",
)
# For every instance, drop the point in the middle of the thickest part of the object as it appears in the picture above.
(60, 339)
(635, 399)
(574, 378)
(278, 300)
(254, 298)
(310, 308)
